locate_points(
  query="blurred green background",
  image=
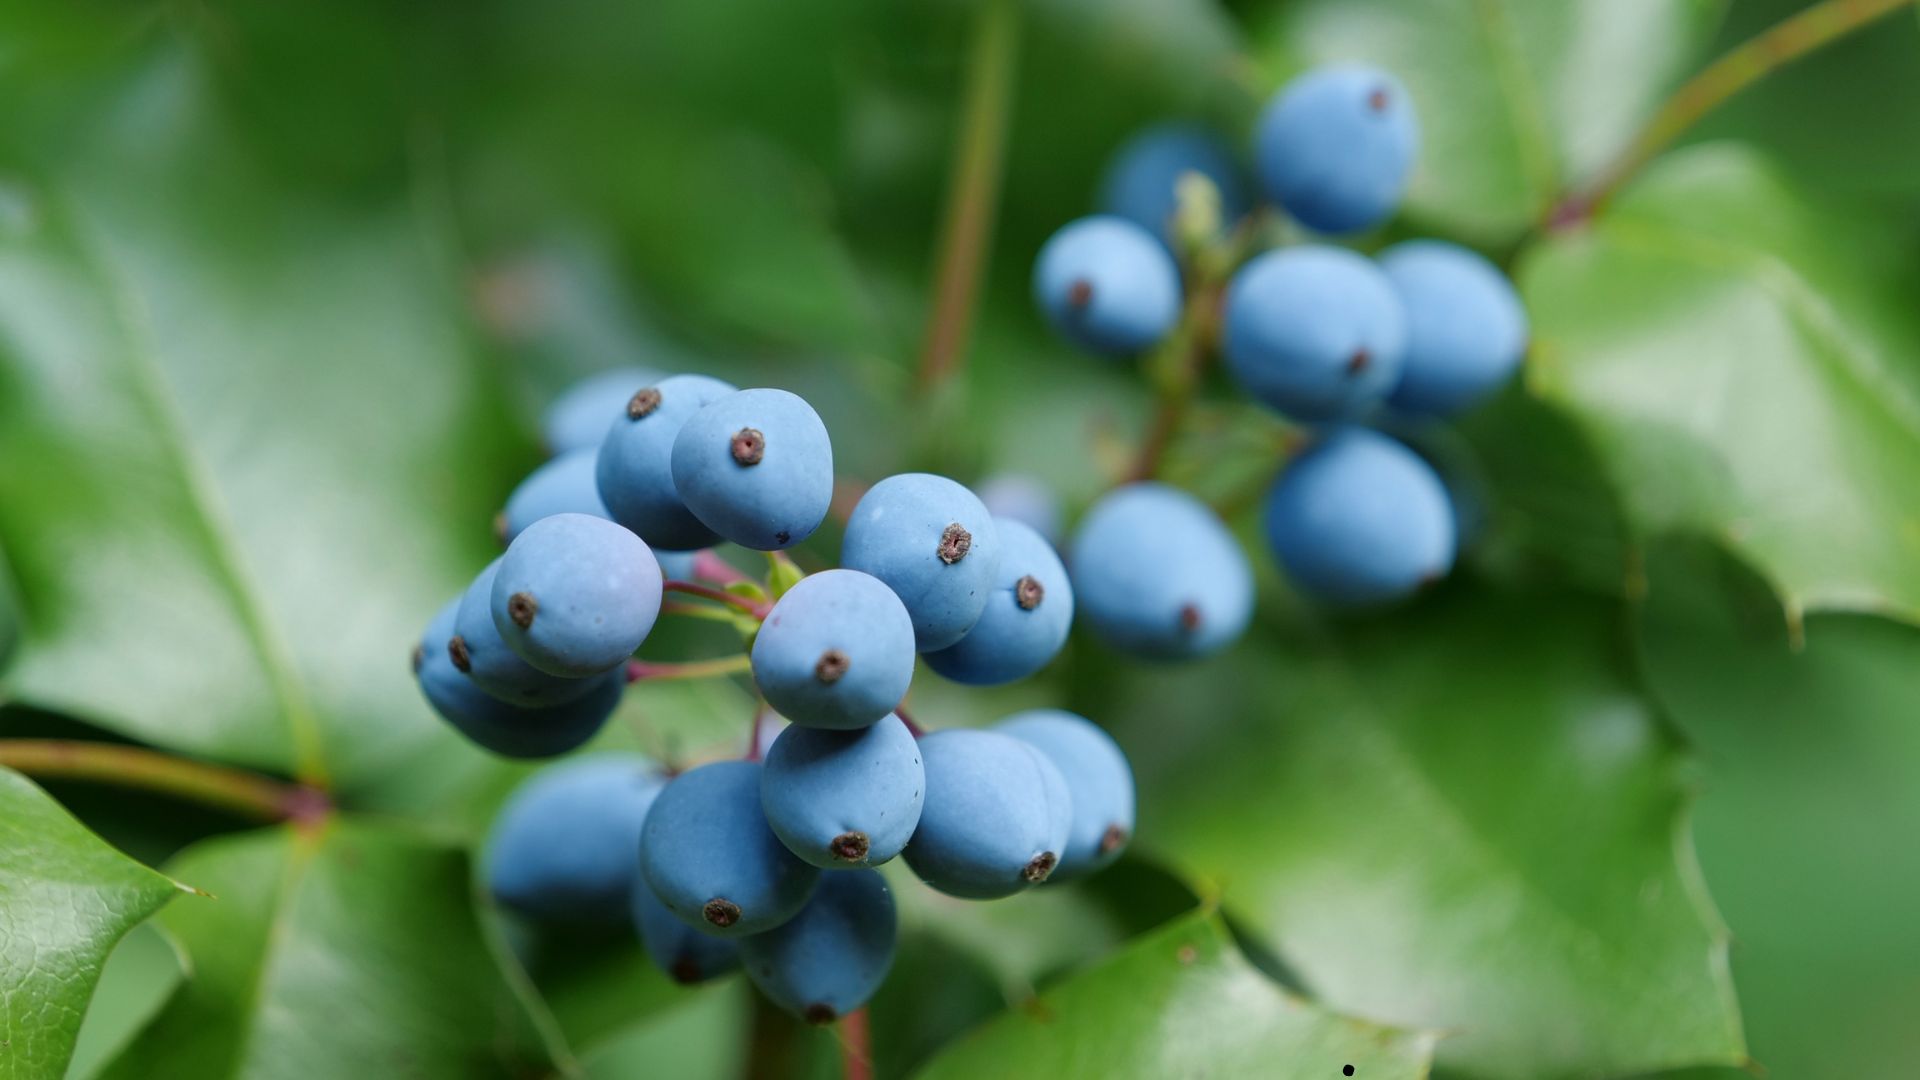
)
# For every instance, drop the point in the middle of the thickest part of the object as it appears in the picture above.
(283, 287)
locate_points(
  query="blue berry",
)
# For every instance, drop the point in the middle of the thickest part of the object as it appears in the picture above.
(1107, 285)
(564, 485)
(835, 652)
(676, 565)
(832, 956)
(1142, 180)
(756, 467)
(1315, 332)
(840, 799)
(566, 845)
(996, 816)
(934, 545)
(1022, 498)
(1026, 619)
(477, 649)
(713, 861)
(576, 595)
(1359, 519)
(1466, 328)
(685, 954)
(1156, 573)
(578, 418)
(1098, 777)
(1336, 146)
(635, 469)
(510, 730)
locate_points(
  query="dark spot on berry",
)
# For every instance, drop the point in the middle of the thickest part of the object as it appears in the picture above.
(521, 608)
(419, 657)
(749, 446)
(1358, 362)
(1028, 592)
(832, 664)
(1377, 101)
(457, 652)
(850, 846)
(642, 403)
(819, 1014)
(685, 971)
(783, 537)
(1036, 871)
(955, 542)
(719, 912)
(1080, 293)
(1190, 617)
(1113, 839)
(500, 527)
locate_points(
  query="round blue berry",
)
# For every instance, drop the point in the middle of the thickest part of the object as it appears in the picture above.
(1156, 573)
(1107, 285)
(578, 418)
(635, 468)
(685, 954)
(756, 467)
(1358, 519)
(1098, 778)
(832, 956)
(1022, 498)
(835, 652)
(566, 844)
(934, 545)
(564, 485)
(478, 650)
(509, 730)
(1466, 327)
(1026, 619)
(1142, 181)
(1336, 146)
(713, 861)
(576, 595)
(840, 799)
(1315, 332)
(996, 816)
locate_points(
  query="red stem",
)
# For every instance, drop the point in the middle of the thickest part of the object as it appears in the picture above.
(708, 592)
(913, 729)
(856, 1045)
(710, 567)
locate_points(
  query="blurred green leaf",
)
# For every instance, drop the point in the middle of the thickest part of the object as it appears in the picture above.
(140, 976)
(348, 949)
(1464, 817)
(703, 1037)
(1180, 1002)
(1810, 763)
(1745, 363)
(65, 899)
(1517, 101)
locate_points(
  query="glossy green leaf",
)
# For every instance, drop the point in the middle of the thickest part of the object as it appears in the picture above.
(66, 898)
(249, 452)
(1180, 1002)
(347, 950)
(1746, 365)
(140, 977)
(1517, 100)
(1809, 806)
(1463, 816)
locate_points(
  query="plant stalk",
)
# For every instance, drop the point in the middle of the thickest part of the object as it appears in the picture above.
(248, 794)
(663, 671)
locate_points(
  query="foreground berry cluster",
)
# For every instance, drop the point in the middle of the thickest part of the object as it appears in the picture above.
(767, 863)
(1329, 338)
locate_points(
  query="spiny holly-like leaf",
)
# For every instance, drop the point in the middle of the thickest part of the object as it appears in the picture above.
(1180, 1002)
(1464, 817)
(65, 898)
(1746, 365)
(248, 452)
(1517, 99)
(347, 950)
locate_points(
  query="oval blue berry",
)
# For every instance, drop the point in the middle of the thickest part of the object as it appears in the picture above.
(756, 467)
(564, 485)
(841, 799)
(1142, 181)
(832, 956)
(933, 543)
(1466, 327)
(478, 650)
(1156, 573)
(576, 595)
(1107, 285)
(1098, 778)
(566, 844)
(996, 816)
(1336, 146)
(711, 858)
(1315, 332)
(578, 418)
(635, 468)
(835, 652)
(685, 954)
(508, 730)
(1026, 619)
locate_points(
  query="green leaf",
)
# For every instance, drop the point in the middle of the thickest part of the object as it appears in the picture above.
(1745, 364)
(1517, 100)
(249, 452)
(139, 978)
(1180, 1002)
(1463, 817)
(1810, 802)
(350, 950)
(65, 898)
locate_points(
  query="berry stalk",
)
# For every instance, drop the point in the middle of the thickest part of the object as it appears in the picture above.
(721, 596)
(247, 794)
(645, 671)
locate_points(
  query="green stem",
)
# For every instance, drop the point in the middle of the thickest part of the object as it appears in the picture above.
(722, 596)
(245, 793)
(649, 671)
(973, 192)
(1177, 368)
(698, 611)
(1715, 84)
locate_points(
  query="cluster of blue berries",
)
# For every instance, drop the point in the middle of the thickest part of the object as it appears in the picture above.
(767, 863)
(1328, 337)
